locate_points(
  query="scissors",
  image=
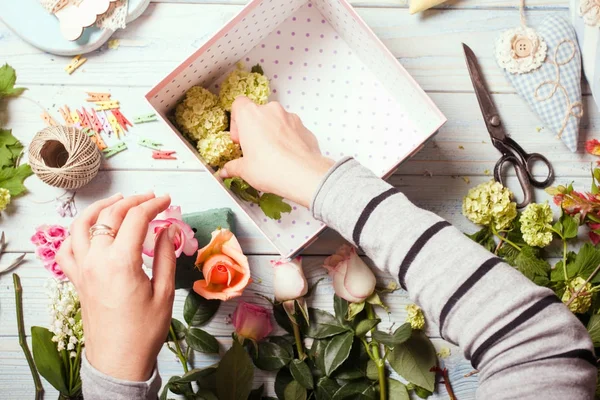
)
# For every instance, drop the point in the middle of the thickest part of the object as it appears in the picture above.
(512, 153)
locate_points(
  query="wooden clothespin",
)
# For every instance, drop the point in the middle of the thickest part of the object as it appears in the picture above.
(140, 119)
(66, 115)
(150, 144)
(76, 62)
(76, 119)
(114, 124)
(88, 131)
(83, 120)
(48, 120)
(94, 121)
(98, 141)
(163, 155)
(107, 105)
(96, 97)
(104, 121)
(111, 151)
(121, 119)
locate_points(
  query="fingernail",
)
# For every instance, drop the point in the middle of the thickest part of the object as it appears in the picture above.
(172, 230)
(223, 173)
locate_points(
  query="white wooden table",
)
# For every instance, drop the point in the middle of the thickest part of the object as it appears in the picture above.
(427, 45)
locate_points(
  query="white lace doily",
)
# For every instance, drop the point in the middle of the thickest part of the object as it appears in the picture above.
(516, 62)
(115, 17)
(589, 10)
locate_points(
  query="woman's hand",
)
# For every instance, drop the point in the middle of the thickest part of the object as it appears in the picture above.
(126, 315)
(281, 156)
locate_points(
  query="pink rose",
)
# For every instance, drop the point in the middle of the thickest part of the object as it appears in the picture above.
(353, 280)
(55, 270)
(251, 321)
(56, 233)
(39, 238)
(289, 280)
(184, 241)
(224, 266)
(46, 253)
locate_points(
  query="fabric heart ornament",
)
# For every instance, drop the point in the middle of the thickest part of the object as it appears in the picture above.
(585, 16)
(544, 66)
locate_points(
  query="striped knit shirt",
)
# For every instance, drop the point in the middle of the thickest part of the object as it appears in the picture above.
(525, 343)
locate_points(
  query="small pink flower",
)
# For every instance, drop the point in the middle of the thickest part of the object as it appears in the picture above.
(46, 253)
(352, 279)
(39, 238)
(55, 270)
(184, 241)
(251, 321)
(56, 233)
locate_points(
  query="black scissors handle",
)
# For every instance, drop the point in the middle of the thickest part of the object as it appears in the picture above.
(522, 174)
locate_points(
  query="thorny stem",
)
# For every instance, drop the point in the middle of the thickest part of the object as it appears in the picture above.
(178, 348)
(299, 346)
(502, 238)
(576, 294)
(39, 389)
(444, 373)
(376, 357)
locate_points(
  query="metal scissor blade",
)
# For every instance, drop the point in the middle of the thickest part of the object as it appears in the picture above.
(489, 111)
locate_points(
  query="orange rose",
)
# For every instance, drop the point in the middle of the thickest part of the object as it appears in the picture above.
(224, 266)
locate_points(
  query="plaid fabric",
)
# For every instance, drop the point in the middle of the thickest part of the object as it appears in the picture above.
(589, 43)
(554, 110)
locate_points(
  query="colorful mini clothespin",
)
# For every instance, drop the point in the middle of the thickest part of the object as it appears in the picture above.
(111, 151)
(76, 119)
(114, 124)
(83, 121)
(94, 121)
(150, 144)
(121, 119)
(163, 155)
(98, 141)
(66, 115)
(96, 97)
(104, 121)
(48, 120)
(140, 119)
(76, 62)
(107, 105)
(88, 131)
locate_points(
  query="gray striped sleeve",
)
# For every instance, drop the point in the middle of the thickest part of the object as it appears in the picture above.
(525, 342)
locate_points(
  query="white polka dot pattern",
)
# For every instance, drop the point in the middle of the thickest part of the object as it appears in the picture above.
(327, 67)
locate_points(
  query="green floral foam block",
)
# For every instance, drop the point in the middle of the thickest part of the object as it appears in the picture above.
(203, 223)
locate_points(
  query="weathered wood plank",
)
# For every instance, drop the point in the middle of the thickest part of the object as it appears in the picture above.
(428, 47)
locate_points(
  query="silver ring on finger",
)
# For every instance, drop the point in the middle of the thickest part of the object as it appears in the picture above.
(101, 229)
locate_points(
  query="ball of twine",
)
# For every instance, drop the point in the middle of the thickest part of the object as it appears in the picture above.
(64, 157)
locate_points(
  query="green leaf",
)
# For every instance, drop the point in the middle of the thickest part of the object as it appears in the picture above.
(323, 324)
(372, 372)
(317, 352)
(337, 351)
(242, 189)
(205, 394)
(271, 356)
(530, 264)
(283, 378)
(585, 263)
(365, 326)
(397, 390)
(593, 328)
(340, 306)
(356, 391)
(326, 388)
(179, 328)
(354, 309)
(170, 383)
(8, 77)
(257, 393)
(208, 380)
(294, 391)
(201, 341)
(400, 335)
(302, 373)
(484, 237)
(419, 391)
(273, 205)
(197, 374)
(282, 318)
(12, 178)
(284, 341)
(557, 274)
(235, 374)
(48, 360)
(10, 149)
(257, 69)
(197, 310)
(570, 226)
(414, 359)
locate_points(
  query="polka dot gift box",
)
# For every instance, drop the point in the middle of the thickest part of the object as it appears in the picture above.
(327, 66)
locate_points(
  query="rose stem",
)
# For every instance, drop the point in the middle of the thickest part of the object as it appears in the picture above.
(39, 389)
(444, 373)
(379, 362)
(179, 353)
(299, 347)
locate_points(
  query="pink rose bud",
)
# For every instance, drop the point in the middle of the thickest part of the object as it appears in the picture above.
(39, 238)
(251, 321)
(46, 253)
(55, 270)
(56, 233)
(184, 241)
(289, 281)
(352, 279)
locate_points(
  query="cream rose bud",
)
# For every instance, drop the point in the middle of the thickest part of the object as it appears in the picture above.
(352, 279)
(289, 281)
